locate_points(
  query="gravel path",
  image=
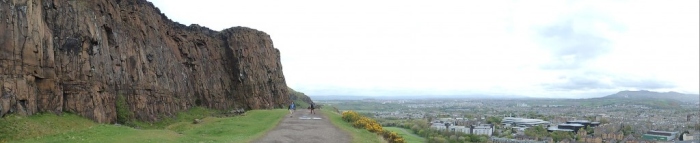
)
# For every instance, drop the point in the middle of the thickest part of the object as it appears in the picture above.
(303, 127)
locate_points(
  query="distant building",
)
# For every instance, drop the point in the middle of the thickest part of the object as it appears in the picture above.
(483, 129)
(438, 126)
(585, 123)
(659, 135)
(573, 126)
(565, 127)
(686, 137)
(462, 129)
(522, 122)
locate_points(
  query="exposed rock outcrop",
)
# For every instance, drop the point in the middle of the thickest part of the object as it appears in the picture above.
(78, 55)
(299, 96)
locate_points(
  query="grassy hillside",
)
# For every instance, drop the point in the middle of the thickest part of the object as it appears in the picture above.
(72, 128)
(300, 99)
(653, 103)
(358, 135)
(406, 134)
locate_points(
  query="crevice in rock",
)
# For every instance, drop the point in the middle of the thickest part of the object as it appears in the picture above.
(23, 104)
(110, 35)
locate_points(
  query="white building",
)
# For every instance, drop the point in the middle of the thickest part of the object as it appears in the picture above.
(522, 122)
(438, 126)
(462, 129)
(483, 129)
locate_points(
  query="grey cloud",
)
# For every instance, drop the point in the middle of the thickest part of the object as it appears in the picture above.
(579, 83)
(647, 84)
(596, 81)
(570, 48)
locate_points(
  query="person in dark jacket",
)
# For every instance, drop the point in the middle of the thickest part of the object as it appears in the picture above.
(312, 107)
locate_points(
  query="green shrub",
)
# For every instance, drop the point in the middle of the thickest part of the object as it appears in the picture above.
(124, 115)
(360, 121)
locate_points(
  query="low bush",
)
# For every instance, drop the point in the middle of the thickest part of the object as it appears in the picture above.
(371, 125)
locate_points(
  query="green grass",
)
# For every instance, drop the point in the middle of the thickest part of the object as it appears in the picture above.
(17, 127)
(186, 116)
(300, 104)
(71, 128)
(409, 137)
(358, 135)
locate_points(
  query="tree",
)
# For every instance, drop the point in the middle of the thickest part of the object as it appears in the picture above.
(506, 133)
(604, 121)
(467, 138)
(439, 140)
(480, 139)
(589, 130)
(461, 139)
(494, 120)
(536, 131)
(560, 135)
(627, 130)
(581, 131)
(580, 134)
(421, 123)
(453, 137)
(415, 128)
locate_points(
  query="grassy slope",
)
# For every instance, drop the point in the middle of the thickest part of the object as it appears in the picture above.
(299, 99)
(358, 135)
(18, 127)
(71, 128)
(300, 104)
(409, 137)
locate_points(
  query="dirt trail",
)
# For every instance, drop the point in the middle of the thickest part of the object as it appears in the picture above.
(303, 127)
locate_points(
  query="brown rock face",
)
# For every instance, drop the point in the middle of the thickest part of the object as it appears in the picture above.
(79, 55)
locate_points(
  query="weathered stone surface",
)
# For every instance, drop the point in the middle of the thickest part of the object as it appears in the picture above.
(78, 55)
(295, 95)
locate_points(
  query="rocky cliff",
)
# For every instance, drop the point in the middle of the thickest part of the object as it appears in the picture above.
(299, 96)
(79, 55)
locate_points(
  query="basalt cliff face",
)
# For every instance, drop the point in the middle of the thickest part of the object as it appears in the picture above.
(78, 55)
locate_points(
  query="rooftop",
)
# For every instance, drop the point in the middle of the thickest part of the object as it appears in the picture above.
(576, 125)
(580, 121)
(555, 128)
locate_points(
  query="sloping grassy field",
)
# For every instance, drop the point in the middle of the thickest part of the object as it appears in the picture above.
(406, 134)
(358, 135)
(72, 128)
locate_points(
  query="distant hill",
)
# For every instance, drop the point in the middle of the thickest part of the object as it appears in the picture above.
(414, 97)
(644, 94)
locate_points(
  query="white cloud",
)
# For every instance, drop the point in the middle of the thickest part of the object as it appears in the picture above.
(468, 47)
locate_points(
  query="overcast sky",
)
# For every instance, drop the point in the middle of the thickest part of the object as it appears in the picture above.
(542, 48)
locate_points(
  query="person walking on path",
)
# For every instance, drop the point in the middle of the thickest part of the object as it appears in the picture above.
(311, 107)
(291, 109)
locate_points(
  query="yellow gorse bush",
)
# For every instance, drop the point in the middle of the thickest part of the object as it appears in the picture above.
(371, 125)
(351, 116)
